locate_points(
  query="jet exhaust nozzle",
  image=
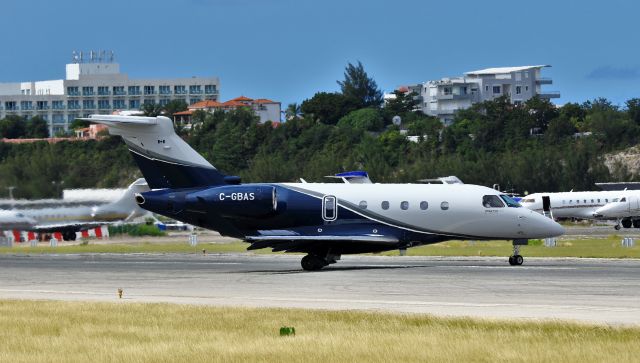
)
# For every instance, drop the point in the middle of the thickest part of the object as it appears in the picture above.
(139, 199)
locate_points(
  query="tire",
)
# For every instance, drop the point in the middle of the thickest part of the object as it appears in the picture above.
(519, 260)
(512, 261)
(636, 223)
(312, 263)
(626, 223)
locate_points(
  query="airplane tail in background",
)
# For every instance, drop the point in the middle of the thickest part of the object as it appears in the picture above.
(125, 207)
(165, 160)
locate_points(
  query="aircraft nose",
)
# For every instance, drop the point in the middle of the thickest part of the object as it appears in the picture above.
(555, 229)
(549, 227)
(543, 227)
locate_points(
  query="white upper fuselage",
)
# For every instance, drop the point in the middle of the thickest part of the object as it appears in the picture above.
(465, 214)
(14, 220)
(581, 205)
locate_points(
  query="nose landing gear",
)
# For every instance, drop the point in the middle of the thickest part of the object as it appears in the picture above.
(516, 259)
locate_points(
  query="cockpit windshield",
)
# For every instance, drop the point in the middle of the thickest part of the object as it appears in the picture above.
(623, 199)
(492, 201)
(510, 202)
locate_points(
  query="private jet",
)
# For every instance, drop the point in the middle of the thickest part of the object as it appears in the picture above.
(322, 220)
(580, 205)
(69, 219)
(625, 209)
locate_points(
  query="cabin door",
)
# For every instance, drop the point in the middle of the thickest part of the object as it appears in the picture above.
(329, 208)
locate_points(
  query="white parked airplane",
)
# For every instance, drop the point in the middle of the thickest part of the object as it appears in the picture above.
(324, 220)
(582, 205)
(625, 208)
(71, 219)
(15, 220)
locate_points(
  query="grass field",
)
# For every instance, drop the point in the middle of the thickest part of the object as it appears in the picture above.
(44, 331)
(609, 247)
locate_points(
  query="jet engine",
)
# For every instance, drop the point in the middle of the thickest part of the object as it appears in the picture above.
(235, 201)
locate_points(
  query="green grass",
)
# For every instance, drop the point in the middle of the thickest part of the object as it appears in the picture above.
(609, 247)
(45, 331)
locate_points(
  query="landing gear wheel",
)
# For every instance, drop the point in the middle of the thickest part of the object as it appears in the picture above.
(69, 236)
(617, 227)
(312, 263)
(636, 223)
(516, 260)
(626, 223)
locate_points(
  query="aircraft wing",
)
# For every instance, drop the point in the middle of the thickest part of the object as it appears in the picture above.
(292, 243)
(69, 226)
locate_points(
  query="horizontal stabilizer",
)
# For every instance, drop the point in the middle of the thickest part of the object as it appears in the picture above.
(115, 119)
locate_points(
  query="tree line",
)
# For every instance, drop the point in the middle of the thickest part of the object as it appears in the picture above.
(531, 147)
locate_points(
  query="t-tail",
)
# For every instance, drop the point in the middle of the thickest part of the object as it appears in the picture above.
(165, 160)
(125, 205)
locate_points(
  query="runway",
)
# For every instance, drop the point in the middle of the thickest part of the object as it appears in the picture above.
(589, 290)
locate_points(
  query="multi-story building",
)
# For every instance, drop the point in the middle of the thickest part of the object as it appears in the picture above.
(265, 109)
(442, 98)
(96, 86)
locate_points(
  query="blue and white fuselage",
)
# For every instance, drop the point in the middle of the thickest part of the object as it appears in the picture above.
(324, 220)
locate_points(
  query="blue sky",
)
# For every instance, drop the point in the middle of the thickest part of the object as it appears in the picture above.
(287, 50)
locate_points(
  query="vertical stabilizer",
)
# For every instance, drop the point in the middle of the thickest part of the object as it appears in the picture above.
(165, 160)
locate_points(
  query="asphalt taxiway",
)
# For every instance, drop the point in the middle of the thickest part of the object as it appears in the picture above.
(589, 290)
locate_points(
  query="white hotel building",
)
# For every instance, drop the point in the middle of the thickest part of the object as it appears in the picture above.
(442, 98)
(97, 87)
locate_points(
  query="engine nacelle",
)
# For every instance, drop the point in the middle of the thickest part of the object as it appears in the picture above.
(235, 200)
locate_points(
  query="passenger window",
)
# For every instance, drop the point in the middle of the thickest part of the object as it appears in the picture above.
(598, 200)
(424, 205)
(404, 205)
(444, 205)
(363, 204)
(591, 200)
(606, 200)
(585, 200)
(492, 201)
(385, 205)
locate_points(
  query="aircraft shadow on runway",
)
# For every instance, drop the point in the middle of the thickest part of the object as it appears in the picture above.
(331, 269)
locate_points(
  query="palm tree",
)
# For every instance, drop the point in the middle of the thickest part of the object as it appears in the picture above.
(293, 111)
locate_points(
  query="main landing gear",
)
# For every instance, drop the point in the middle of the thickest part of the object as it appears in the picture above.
(627, 223)
(69, 236)
(312, 262)
(516, 259)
